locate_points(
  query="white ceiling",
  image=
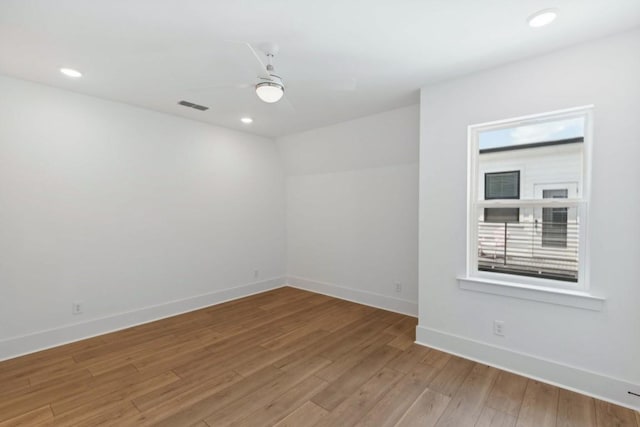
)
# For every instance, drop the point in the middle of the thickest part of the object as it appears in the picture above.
(153, 53)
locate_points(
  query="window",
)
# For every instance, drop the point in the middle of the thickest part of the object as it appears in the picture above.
(528, 200)
(554, 221)
(502, 185)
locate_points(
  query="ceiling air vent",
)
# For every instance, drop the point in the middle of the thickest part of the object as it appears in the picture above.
(192, 105)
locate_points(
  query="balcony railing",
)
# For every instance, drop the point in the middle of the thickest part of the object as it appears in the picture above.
(530, 248)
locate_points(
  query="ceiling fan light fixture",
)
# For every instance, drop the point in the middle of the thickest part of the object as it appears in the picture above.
(70, 72)
(269, 91)
(542, 18)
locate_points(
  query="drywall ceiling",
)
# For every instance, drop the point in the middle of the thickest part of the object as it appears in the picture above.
(154, 53)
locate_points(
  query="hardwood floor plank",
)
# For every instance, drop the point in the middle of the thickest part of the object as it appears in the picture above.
(344, 364)
(426, 410)
(179, 393)
(127, 388)
(57, 366)
(468, 402)
(404, 340)
(306, 415)
(402, 326)
(409, 358)
(293, 297)
(451, 376)
(610, 415)
(13, 405)
(208, 365)
(255, 400)
(281, 351)
(190, 412)
(507, 393)
(352, 409)
(388, 317)
(437, 358)
(278, 408)
(346, 338)
(395, 403)
(38, 417)
(358, 338)
(18, 385)
(115, 413)
(342, 387)
(539, 405)
(493, 418)
(575, 410)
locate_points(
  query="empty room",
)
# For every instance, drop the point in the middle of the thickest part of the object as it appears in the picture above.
(338, 213)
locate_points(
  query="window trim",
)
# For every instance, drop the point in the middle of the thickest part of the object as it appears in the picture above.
(474, 203)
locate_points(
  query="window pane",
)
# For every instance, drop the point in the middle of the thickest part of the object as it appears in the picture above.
(518, 162)
(502, 214)
(502, 185)
(531, 247)
(536, 132)
(554, 220)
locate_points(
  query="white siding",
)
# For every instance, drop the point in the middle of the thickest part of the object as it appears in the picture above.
(552, 164)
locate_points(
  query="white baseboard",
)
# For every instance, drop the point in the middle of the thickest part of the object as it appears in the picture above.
(18, 346)
(384, 302)
(569, 377)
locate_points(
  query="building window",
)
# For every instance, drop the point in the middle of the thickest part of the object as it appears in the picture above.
(502, 185)
(554, 221)
(528, 199)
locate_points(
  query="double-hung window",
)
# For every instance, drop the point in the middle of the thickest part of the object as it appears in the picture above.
(528, 199)
(502, 185)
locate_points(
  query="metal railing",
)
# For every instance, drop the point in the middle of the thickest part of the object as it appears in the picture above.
(530, 248)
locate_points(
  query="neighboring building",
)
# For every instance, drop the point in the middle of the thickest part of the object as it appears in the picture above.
(540, 242)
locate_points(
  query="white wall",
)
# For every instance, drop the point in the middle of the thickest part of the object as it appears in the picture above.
(123, 209)
(594, 351)
(352, 209)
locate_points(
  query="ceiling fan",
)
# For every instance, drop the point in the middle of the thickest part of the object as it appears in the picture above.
(269, 85)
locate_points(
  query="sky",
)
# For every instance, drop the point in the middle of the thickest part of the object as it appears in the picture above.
(538, 132)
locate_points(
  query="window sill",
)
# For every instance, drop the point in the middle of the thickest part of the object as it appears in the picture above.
(569, 298)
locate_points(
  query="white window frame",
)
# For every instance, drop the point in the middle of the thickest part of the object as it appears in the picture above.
(495, 283)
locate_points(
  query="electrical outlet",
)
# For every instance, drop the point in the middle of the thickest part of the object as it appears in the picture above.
(76, 307)
(256, 273)
(398, 287)
(498, 327)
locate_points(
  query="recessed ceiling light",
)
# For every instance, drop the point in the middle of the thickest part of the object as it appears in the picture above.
(542, 18)
(246, 120)
(70, 72)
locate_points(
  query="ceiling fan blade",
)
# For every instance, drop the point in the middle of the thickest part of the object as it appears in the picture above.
(343, 85)
(263, 66)
(285, 106)
(223, 86)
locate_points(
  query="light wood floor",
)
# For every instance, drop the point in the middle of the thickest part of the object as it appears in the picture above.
(286, 358)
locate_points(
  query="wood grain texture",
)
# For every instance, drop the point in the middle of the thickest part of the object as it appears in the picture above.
(493, 418)
(468, 402)
(426, 410)
(610, 415)
(307, 414)
(507, 393)
(539, 405)
(286, 357)
(575, 410)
